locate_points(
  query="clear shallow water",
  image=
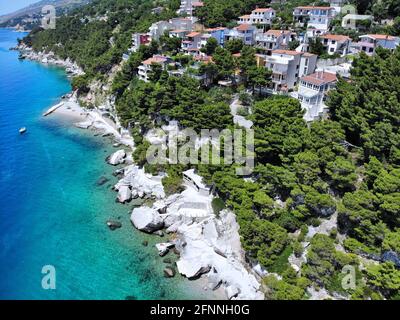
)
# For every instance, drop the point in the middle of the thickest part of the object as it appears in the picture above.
(51, 210)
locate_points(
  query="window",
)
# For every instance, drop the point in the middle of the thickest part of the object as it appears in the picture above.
(331, 50)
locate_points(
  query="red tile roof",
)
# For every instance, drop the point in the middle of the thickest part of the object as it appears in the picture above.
(380, 37)
(155, 59)
(244, 27)
(193, 34)
(336, 37)
(320, 77)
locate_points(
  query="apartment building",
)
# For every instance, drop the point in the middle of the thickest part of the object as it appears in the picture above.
(192, 42)
(369, 42)
(158, 29)
(318, 19)
(244, 32)
(217, 33)
(139, 39)
(189, 7)
(312, 93)
(145, 68)
(336, 44)
(259, 16)
(273, 40)
(287, 67)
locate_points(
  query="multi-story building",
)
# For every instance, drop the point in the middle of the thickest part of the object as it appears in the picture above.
(189, 7)
(336, 44)
(139, 39)
(192, 42)
(318, 19)
(218, 34)
(287, 66)
(159, 28)
(369, 42)
(259, 16)
(244, 32)
(145, 68)
(178, 33)
(312, 93)
(273, 40)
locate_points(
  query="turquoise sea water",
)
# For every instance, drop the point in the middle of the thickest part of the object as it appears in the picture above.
(51, 210)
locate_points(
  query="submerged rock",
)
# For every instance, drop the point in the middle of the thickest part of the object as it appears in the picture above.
(169, 272)
(102, 181)
(146, 219)
(113, 225)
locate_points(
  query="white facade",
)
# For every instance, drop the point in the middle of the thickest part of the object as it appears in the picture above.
(318, 19)
(312, 92)
(145, 68)
(244, 32)
(261, 16)
(273, 40)
(287, 66)
(336, 44)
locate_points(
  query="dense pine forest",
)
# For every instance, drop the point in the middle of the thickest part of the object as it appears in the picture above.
(347, 165)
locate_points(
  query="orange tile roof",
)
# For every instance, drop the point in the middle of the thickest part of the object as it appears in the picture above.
(288, 52)
(320, 77)
(336, 37)
(246, 16)
(198, 4)
(193, 34)
(244, 27)
(277, 33)
(155, 59)
(380, 36)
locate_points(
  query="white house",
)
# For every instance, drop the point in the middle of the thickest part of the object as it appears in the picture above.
(158, 29)
(318, 19)
(273, 40)
(312, 92)
(259, 16)
(188, 7)
(244, 32)
(287, 66)
(139, 39)
(145, 68)
(334, 43)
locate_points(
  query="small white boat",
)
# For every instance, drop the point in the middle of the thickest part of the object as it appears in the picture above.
(22, 130)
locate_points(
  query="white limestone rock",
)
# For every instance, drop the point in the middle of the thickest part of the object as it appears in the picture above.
(146, 219)
(124, 194)
(163, 248)
(117, 158)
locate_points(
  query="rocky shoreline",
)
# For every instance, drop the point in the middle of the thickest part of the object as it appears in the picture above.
(208, 246)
